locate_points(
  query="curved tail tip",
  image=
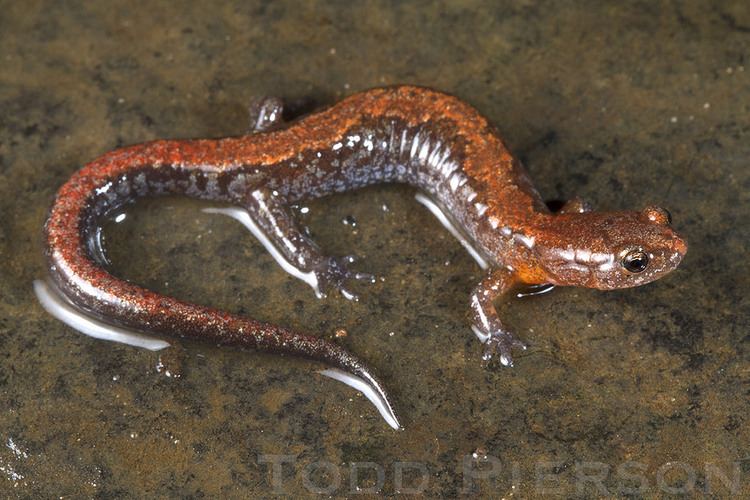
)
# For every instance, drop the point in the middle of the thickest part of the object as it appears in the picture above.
(375, 396)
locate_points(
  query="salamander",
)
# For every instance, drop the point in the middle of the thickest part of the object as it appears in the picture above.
(417, 136)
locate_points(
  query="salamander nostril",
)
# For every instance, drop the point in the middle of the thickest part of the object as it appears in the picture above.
(680, 246)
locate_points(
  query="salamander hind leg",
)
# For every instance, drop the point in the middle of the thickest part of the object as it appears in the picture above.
(498, 342)
(332, 273)
(272, 223)
(265, 114)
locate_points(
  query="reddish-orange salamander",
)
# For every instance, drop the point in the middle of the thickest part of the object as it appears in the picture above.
(427, 139)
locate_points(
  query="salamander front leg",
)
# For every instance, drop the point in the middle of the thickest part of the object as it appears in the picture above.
(265, 113)
(575, 206)
(295, 251)
(487, 325)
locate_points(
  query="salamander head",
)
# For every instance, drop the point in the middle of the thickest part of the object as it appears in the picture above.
(610, 250)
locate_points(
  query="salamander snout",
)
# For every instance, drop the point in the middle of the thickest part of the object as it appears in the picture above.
(668, 240)
(644, 248)
(610, 250)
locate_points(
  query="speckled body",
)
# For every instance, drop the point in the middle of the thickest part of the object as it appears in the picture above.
(411, 135)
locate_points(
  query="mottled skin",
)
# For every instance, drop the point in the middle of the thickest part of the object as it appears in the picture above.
(411, 135)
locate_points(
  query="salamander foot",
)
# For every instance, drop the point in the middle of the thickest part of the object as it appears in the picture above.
(501, 343)
(333, 272)
(265, 114)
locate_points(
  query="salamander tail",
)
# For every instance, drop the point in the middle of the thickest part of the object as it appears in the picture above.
(372, 390)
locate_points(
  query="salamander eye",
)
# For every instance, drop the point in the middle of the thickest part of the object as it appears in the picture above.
(658, 215)
(636, 261)
(669, 216)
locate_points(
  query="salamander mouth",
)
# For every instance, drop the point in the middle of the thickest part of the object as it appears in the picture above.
(675, 258)
(564, 272)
